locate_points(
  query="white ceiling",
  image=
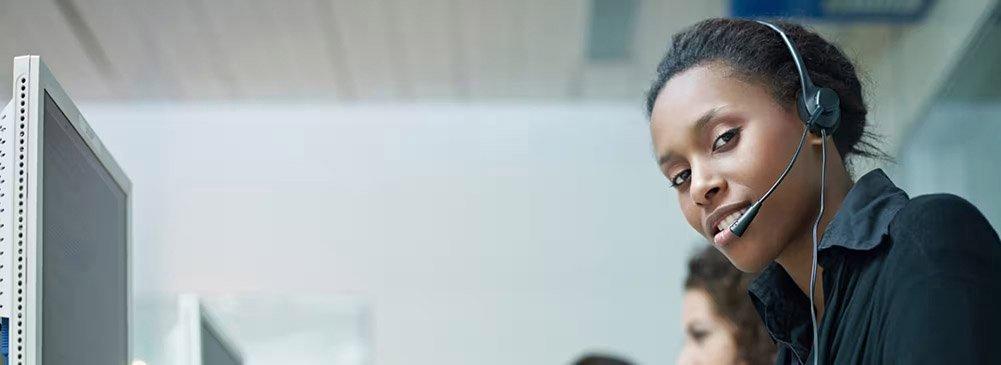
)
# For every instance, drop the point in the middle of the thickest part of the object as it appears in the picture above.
(342, 50)
(383, 50)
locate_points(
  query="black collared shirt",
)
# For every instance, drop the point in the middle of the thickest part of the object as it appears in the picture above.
(906, 281)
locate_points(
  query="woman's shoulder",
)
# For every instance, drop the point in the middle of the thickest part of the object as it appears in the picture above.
(942, 229)
(937, 214)
(941, 280)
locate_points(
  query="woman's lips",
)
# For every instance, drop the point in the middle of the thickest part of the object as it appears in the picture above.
(723, 238)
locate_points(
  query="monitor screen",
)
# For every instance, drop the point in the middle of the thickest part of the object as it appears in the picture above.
(84, 250)
(214, 350)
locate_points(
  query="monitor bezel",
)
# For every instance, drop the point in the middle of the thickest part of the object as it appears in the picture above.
(39, 80)
(192, 317)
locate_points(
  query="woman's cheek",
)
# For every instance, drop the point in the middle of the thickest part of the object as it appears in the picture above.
(690, 211)
(747, 160)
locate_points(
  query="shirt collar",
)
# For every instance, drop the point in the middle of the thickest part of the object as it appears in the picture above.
(865, 214)
(860, 224)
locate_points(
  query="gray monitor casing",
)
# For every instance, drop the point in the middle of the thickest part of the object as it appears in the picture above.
(22, 281)
(198, 340)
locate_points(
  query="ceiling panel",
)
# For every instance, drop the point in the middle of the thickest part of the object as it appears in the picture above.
(140, 68)
(255, 37)
(7, 50)
(311, 60)
(553, 48)
(338, 50)
(491, 42)
(367, 49)
(188, 50)
(426, 53)
(40, 29)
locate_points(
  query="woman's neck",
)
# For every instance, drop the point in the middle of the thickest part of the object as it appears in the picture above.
(797, 257)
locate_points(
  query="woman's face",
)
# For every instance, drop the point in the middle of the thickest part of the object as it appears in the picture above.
(709, 339)
(722, 142)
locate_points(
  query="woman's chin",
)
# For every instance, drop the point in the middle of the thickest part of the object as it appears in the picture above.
(745, 258)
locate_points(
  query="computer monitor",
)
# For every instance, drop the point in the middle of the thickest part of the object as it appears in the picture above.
(65, 214)
(199, 341)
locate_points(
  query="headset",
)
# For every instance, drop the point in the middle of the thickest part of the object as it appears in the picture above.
(820, 109)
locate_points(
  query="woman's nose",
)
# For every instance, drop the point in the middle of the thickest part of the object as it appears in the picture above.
(686, 356)
(705, 188)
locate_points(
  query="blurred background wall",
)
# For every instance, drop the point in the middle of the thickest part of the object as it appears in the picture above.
(478, 234)
(476, 175)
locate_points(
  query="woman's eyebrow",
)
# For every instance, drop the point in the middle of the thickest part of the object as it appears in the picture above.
(698, 128)
(700, 124)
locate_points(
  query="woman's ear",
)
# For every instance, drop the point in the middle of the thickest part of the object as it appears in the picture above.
(815, 140)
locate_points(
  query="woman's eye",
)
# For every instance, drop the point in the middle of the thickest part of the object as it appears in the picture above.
(679, 179)
(699, 336)
(725, 138)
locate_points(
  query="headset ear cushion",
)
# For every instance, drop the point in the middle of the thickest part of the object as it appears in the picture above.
(830, 108)
(826, 103)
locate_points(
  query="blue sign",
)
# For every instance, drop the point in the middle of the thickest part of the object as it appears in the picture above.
(894, 11)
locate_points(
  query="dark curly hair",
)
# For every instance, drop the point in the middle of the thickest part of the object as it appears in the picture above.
(600, 359)
(709, 271)
(757, 54)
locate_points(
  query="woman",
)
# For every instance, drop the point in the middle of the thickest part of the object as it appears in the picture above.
(899, 280)
(721, 326)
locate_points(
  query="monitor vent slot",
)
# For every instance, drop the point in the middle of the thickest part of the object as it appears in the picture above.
(18, 342)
